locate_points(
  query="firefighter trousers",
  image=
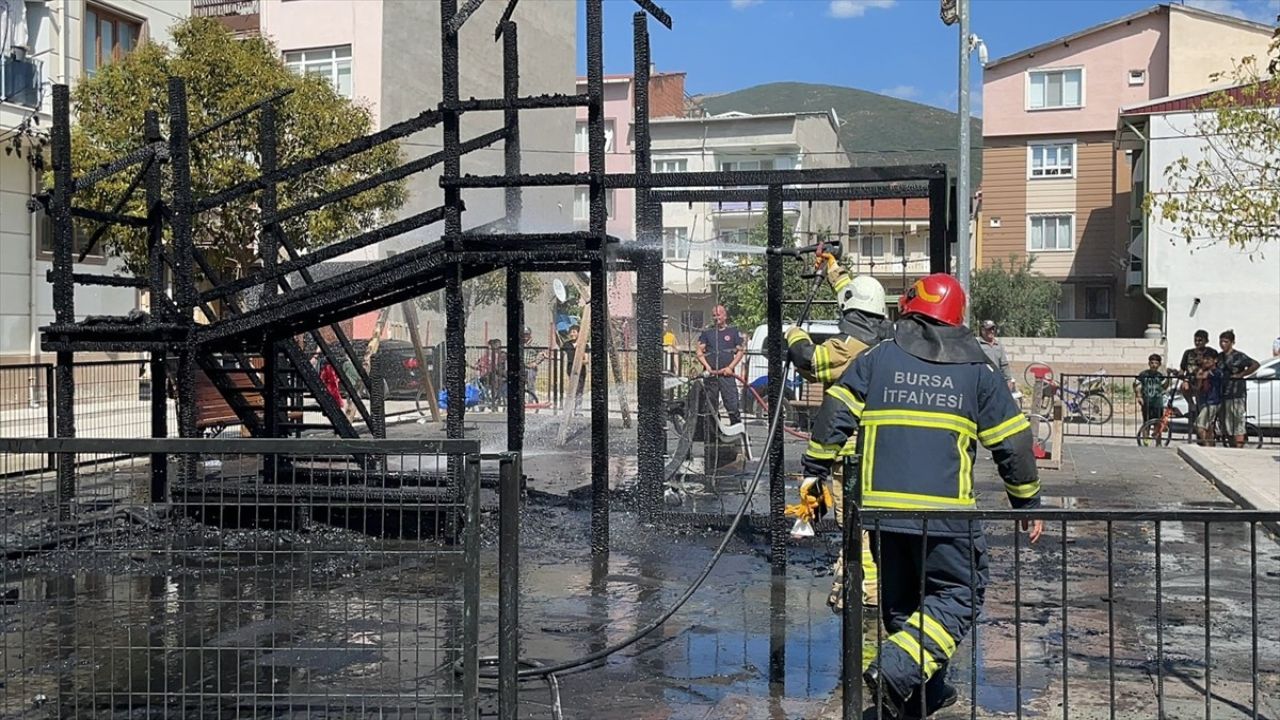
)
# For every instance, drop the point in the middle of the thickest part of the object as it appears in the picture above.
(869, 575)
(924, 631)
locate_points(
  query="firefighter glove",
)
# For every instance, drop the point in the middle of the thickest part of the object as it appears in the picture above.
(815, 499)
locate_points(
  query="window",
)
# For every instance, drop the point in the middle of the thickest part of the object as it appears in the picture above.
(675, 243)
(738, 165)
(1137, 77)
(691, 321)
(1055, 89)
(331, 63)
(871, 246)
(1066, 307)
(1050, 232)
(83, 234)
(582, 203)
(1051, 160)
(900, 247)
(582, 137)
(671, 166)
(108, 36)
(1097, 303)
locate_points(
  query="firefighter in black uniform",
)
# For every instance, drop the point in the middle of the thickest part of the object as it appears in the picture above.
(922, 401)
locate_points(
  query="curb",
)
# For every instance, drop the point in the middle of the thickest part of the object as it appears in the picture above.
(1221, 481)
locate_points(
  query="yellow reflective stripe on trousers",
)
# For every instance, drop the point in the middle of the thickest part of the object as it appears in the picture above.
(1012, 426)
(904, 640)
(935, 632)
(843, 394)
(1025, 491)
(822, 451)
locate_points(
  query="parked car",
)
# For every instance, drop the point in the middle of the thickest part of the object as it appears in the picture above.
(397, 363)
(757, 361)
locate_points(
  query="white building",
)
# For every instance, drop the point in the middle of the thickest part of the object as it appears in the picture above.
(1203, 284)
(43, 43)
(696, 233)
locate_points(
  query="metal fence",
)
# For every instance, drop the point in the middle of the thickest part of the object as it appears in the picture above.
(112, 399)
(278, 578)
(1111, 407)
(1113, 614)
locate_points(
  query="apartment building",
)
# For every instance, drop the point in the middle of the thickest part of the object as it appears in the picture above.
(1199, 284)
(694, 234)
(1055, 187)
(385, 55)
(42, 44)
(666, 99)
(889, 240)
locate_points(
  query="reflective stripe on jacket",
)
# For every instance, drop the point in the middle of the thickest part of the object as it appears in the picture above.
(921, 422)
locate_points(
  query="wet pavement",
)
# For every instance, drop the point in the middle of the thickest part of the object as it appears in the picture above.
(329, 623)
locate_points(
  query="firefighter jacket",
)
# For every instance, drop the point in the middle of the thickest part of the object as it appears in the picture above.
(825, 363)
(922, 401)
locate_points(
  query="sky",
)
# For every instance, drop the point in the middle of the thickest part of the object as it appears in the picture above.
(894, 47)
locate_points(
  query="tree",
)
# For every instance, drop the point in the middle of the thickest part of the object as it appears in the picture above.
(1018, 299)
(224, 74)
(486, 290)
(1232, 192)
(741, 287)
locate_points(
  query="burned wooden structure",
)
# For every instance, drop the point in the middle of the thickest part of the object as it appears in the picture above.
(249, 350)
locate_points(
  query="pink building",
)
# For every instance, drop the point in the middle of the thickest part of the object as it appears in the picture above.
(1055, 188)
(666, 99)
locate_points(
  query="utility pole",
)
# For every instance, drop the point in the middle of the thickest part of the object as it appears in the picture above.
(962, 180)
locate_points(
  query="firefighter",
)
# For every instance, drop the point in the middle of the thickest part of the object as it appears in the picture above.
(922, 400)
(862, 325)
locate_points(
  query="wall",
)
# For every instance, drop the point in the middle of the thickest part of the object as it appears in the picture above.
(1004, 200)
(1107, 57)
(1235, 291)
(305, 24)
(666, 95)
(1201, 45)
(1117, 356)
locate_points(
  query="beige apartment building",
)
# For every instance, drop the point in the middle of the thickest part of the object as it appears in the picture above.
(1055, 186)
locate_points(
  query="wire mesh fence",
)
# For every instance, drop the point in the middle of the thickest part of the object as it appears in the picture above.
(1119, 614)
(299, 578)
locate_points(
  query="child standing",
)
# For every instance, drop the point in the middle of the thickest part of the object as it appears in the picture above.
(1208, 395)
(1149, 388)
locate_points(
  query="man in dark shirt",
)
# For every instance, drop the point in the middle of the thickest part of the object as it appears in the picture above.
(1208, 390)
(1235, 366)
(1189, 366)
(720, 349)
(1150, 389)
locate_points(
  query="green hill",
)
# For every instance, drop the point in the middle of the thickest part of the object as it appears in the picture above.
(877, 129)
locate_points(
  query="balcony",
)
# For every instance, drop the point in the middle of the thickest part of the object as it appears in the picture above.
(239, 16)
(758, 208)
(20, 81)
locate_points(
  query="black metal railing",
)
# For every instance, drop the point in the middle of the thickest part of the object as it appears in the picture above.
(1111, 406)
(112, 400)
(218, 8)
(1111, 612)
(257, 577)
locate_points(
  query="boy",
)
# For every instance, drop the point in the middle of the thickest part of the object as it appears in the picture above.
(1235, 366)
(1149, 387)
(1208, 384)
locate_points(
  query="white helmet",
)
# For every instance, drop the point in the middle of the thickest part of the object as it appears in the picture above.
(863, 293)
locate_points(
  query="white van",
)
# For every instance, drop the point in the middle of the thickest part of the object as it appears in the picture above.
(757, 362)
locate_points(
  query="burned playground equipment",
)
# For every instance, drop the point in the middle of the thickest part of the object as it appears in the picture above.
(250, 350)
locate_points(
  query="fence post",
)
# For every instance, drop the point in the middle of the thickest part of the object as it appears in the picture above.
(471, 588)
(851, 596)
(50, 411)
(508, 585)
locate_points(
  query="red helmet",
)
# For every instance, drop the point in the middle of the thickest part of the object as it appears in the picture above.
(938, 296)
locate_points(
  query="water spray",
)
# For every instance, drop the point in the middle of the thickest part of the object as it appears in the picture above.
(537, 672)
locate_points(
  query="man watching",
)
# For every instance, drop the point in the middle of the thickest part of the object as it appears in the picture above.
(1235, 366)
(1189, 366)
(720, 349)
(994, 351)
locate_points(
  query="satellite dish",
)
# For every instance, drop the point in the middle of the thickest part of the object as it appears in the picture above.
(557, 287)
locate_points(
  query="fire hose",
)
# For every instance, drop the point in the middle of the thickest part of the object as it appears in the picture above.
(535, 671)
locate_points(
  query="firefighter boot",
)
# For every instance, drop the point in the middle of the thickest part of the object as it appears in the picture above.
(892, 704)
(937, 695)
